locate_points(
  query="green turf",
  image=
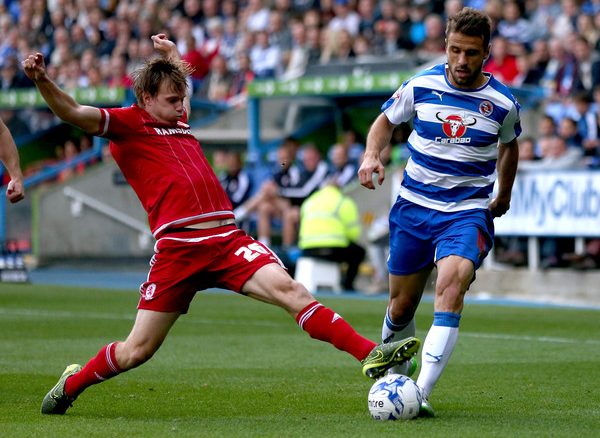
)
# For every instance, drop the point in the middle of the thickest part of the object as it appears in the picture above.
(234, 367)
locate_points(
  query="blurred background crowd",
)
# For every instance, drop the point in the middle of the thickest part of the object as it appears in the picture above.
(550, 46)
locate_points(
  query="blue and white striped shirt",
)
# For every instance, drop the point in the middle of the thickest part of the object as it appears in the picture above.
(454, 143)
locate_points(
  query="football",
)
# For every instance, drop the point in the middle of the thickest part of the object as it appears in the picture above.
(394, 397)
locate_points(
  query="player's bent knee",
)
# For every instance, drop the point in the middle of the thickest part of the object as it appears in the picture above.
(401, 312)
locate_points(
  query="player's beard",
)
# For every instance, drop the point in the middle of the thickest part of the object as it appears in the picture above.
(467, 80)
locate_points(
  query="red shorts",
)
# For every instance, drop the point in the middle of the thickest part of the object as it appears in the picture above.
(188, 261)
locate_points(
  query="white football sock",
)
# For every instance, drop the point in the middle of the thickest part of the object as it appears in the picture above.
(437, 349)
(395, 332)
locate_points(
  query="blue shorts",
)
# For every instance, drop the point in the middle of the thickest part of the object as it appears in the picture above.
(420, 236)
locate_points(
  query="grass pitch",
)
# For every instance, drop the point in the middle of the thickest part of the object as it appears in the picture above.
(234, 367)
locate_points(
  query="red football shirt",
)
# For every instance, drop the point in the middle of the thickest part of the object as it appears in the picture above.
(166, 167)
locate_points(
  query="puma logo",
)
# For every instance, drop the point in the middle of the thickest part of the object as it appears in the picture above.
(437, 93)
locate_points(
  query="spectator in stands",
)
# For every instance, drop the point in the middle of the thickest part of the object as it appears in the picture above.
(240, 80)
(286, 8)
(588, 65)
(11, 77)
(537, 61)
(560, 78)
(513, 26)
(542, 17)
(590, 259)
(265, 59)
(326, 12)
(330, 229)
(210, 10)
(108, 32)
(501, 63)
(9, 48)
(546, 127)
(61, 50)
(89, 60)
(419, 10)
(452, 7)
(94, 77)
(342, 171)
(345, 18)
(72, 76)
(216, 85)
(298, 56)
(338, 46)
(279, 32)
(197, 59)
(215, 41)
(219, 161)
(79, 42)
(586, 116)
(392, 30)
(313, 44)
(368, 13)
(587, 28)
(565, 22)
(70, 153)
(312, 175)
(231, 37)
(312, 18)
(256, 16)
(527, 148)
(268, 203)
(567, 130)
(434, 43)
(118, 72)
(235, 180)
(354, 147)
(362, 49)
(555, 154)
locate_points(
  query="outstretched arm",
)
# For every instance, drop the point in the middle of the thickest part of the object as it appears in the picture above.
(168, 49)
(379, 136)
(508, 160)
(10, 157)
(64, 106)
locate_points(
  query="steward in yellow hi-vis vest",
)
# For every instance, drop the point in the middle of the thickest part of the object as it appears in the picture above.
(330, 228)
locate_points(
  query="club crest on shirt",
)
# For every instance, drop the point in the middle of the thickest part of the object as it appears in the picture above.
(486, 108)
(455, 127)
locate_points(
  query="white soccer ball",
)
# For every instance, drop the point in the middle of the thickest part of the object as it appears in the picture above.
(394, 397)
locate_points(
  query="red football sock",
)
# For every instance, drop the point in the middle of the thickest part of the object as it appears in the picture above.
(324, 324)
(100, 368)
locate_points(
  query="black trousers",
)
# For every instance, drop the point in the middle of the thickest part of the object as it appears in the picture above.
(352, 255)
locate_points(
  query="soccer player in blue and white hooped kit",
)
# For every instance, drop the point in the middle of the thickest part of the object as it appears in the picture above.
(466, 125)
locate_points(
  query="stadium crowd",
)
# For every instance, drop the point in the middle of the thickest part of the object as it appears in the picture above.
(552, 46)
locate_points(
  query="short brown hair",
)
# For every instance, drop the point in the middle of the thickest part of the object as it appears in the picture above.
(470, 22)
(148, 78)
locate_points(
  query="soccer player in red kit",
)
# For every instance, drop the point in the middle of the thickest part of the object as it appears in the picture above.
(198, 244)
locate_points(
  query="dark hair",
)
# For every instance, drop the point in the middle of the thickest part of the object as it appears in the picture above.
(148, 78)
(470, 22)
(583, 96)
